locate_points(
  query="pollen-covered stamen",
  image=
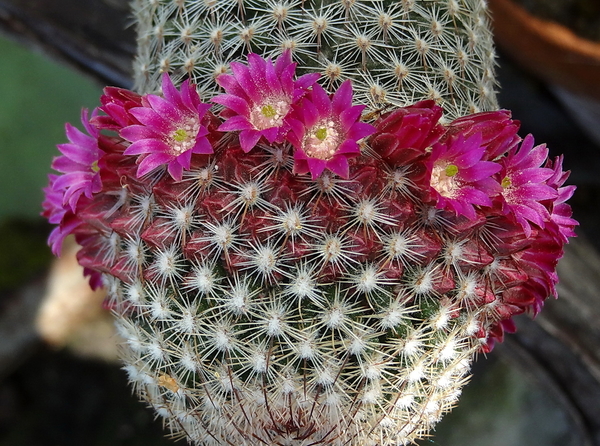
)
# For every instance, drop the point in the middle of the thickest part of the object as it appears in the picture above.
(443, 179)
(184, 137)
(269, 114)
(322, 140)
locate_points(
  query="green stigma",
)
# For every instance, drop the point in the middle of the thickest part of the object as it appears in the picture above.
(268, 111)
(506, 182)
(180, 135)
(451, 170)
(321, 133)
(95, 167)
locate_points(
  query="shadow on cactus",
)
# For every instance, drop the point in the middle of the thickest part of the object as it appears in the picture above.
(285, 272)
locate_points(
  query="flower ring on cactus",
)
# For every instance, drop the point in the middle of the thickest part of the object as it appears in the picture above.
(297, 275)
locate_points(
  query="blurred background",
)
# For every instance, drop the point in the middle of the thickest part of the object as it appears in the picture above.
(60, 384)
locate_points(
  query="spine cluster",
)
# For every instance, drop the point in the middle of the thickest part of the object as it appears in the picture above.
(395, 52)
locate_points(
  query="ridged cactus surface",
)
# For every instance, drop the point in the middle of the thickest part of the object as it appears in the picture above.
(396, 52)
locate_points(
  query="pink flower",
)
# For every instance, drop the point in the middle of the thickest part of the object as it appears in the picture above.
(326, 130)
(170, 129)
(561, 212)
(259, 97)
(524, 184)
(458, 177)
(78, 163)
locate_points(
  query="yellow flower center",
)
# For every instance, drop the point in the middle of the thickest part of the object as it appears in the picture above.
(321, 133)
(269, 114)
(184, 138)
(268, 111)
(506, 183)
(443, 179)
(322, 140)
(451, 170)
(95, 167)
(180, 135)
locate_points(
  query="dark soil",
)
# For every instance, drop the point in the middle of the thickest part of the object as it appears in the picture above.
(581, 16)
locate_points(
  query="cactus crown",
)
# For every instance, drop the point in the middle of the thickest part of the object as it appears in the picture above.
(395, 52)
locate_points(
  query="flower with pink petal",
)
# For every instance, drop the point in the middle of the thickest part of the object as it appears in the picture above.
(561, 212)
(78, 163)
(59, 214)
(524, 184)
(170, 129)
(326, 131)
(458, 177)
(259, 97)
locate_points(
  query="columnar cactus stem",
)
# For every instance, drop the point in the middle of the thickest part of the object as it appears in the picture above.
(395, 52)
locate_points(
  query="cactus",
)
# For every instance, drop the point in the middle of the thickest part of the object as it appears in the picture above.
(294, 265)
(395, 52)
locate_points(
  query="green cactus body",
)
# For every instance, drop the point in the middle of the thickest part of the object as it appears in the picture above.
(395, 52)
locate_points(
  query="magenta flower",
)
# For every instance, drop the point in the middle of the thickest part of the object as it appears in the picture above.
(78, 163)
(458, 177)
(561, 212)
(326, 131)
(524, 185)
(170, 129)
(259, 98)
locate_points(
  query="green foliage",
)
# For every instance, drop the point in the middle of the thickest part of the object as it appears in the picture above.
(38, 97)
